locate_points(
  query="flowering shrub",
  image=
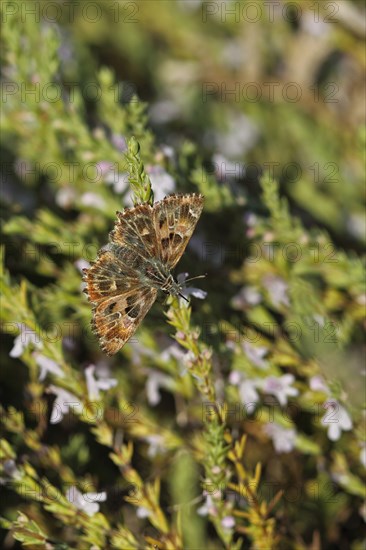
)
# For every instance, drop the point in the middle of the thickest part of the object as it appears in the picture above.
(234, 417)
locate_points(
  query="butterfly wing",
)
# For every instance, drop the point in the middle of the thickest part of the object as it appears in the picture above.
(175, 218)
(135, 230)
(120, 301)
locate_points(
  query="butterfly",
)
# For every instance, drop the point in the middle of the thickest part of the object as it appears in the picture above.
(145, 245)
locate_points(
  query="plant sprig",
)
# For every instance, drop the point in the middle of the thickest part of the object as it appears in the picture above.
(139, 180)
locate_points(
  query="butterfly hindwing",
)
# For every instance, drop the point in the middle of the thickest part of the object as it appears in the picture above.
(120, 301)
(175, 218)
(116, 319)
(110, 275)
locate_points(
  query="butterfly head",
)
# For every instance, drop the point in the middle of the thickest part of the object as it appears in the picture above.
(171, 286)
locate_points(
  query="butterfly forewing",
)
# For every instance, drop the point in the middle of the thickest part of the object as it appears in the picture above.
(175, 219)
(135, 229)
(145, 244)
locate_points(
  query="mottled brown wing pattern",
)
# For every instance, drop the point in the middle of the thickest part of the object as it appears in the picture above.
(135, 229)
(175, 218)
(120, 301)
(117, 319)
(110, 275)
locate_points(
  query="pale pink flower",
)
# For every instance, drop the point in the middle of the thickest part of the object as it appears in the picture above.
(228, 522)
(256, 354)
(280, 387)
(317, 383)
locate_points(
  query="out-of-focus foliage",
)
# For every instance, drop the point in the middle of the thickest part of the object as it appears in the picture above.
(233, 422)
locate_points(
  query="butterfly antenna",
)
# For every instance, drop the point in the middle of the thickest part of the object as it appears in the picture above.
(198, 277)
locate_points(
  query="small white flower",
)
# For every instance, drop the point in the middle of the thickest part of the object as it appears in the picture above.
(64, 402)
(156, 445)
(168, 151)
(65, 197)
(164, 111)
(336, 418)
(319, 319)
(154, 382)
(119, 181)
(119, 142)
(47, 365)
(25, 339)
(187, 362)
(247, 389)
(247, 296)
(173, 351)
(280, 387)
(86, 502)
(255, 354)
(235, 377)
(317, 383)
(249, 395)
(162, 182)
(226, 169)
(228, 522)
(208, 508)
(94, 385)
(143, 512)
(190, 291)
(250, 219)
(314, 26)
(283, 438)
(240, 136)
(233, 55)
(277, 290)
(92, 199)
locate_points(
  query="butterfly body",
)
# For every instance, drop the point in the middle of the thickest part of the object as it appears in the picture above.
(146, 243)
